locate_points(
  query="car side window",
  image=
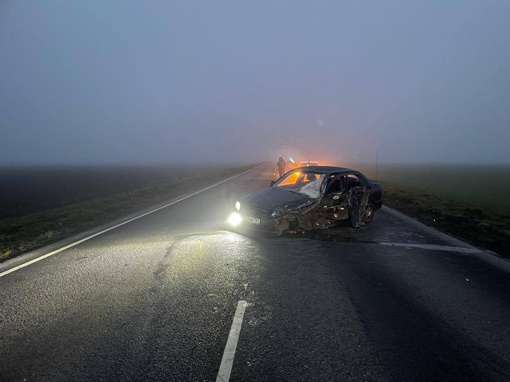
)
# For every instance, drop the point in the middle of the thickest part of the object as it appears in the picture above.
(335, 187)
(352, 181)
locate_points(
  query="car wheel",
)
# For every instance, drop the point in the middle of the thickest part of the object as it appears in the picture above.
(369, 213)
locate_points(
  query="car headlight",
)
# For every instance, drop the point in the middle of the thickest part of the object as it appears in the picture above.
(238, 205)
(235, 219)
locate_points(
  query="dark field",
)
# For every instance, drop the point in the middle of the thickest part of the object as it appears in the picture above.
(482, 186)
(27, 190)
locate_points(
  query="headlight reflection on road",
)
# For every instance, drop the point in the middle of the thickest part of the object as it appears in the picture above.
(235, 219)
(232, 240)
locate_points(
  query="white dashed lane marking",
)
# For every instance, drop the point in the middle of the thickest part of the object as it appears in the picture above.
(230, 349)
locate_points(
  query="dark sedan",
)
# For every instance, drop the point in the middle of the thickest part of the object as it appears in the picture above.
(307, 198)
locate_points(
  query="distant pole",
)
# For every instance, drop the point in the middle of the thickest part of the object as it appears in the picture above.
(376, 164)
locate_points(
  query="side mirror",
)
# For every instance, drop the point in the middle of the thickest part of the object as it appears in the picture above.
(272, 183)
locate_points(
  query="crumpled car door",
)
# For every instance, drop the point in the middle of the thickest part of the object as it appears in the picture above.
(334, 203)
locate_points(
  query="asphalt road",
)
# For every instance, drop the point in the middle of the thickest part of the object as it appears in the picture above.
(155, 300)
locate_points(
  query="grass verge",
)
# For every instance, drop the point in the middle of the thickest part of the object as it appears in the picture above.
(19, 235)
(482, 227)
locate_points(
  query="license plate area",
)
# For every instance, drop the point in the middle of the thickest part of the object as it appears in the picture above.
(252, 220)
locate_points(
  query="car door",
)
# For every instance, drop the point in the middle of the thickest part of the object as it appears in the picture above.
(334, 202)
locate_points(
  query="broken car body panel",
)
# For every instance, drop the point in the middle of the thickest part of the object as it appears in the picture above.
(308, 198)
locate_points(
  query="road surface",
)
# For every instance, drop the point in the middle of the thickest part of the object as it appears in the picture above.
(174, 296)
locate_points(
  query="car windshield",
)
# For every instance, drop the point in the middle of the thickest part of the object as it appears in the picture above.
(305, 183)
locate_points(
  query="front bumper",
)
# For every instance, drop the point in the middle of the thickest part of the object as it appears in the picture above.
(258, 219)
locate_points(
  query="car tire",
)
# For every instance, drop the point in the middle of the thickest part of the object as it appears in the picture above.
(369, 213)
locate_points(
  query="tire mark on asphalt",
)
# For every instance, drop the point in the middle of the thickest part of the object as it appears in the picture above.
(148, 329)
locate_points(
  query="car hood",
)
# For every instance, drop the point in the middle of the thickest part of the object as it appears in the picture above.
(275, 198)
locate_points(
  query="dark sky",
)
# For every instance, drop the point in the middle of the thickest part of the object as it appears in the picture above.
(222, 81)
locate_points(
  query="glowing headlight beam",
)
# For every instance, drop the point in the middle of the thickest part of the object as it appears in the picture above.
(234, 219)
(238, 205)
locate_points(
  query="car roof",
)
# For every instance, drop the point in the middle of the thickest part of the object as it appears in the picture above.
(326, 169)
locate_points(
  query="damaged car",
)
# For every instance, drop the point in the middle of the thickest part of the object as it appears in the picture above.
(309, 198)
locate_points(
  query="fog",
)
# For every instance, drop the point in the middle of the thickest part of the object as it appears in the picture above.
(245, 81)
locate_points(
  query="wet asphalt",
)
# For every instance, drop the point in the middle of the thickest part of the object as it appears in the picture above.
(155, 300)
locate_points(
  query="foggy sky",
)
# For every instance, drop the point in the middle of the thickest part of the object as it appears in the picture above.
(222, 81)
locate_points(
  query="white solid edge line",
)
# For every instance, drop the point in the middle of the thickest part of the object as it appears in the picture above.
(434, 247)
(431, 230)
(483, 254)
(230, 348)
(116, 226)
